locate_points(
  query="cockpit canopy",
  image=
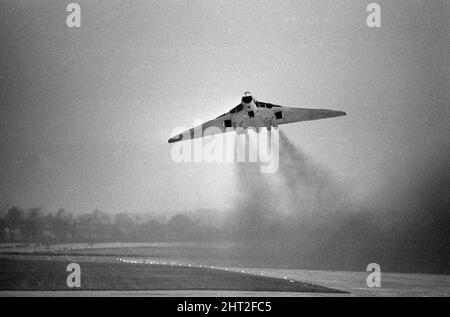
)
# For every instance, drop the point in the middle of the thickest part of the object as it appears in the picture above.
(247, 97)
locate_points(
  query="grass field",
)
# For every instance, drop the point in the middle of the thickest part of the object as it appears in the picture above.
(50, 274)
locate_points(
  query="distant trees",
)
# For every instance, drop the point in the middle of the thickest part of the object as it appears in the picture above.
(2, 229)
(34, 225)
(61, 225)
(93, 227)
(12, 221)
(180, 228)
(153, 231)
(125, 227)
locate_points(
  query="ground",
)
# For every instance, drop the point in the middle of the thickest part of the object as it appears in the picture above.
(116, 269)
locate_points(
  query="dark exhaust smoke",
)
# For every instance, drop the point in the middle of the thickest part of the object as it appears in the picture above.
(302, 217)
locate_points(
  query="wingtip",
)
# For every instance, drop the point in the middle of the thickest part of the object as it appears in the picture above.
(336, 113)
(176, 138)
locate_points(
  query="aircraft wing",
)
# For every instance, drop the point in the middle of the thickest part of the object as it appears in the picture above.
(289, 115)
(279, 115)
(215, 126)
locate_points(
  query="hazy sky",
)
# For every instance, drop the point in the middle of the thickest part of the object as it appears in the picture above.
(86, 113)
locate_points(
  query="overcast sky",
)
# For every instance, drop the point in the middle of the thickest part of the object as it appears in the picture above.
(86, 112)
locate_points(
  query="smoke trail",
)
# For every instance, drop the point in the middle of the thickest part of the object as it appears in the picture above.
(255, 202)
(312, 189)
(297, 192)
(301, 217)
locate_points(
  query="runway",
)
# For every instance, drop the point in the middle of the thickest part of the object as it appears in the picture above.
(392, 284)
(107, 275)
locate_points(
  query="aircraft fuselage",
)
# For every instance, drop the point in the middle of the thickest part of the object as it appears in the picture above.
(253, 116)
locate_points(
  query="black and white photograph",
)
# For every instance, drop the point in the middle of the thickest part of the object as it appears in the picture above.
(224, 153)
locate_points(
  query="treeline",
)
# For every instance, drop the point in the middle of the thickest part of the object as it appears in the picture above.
(34, 225)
